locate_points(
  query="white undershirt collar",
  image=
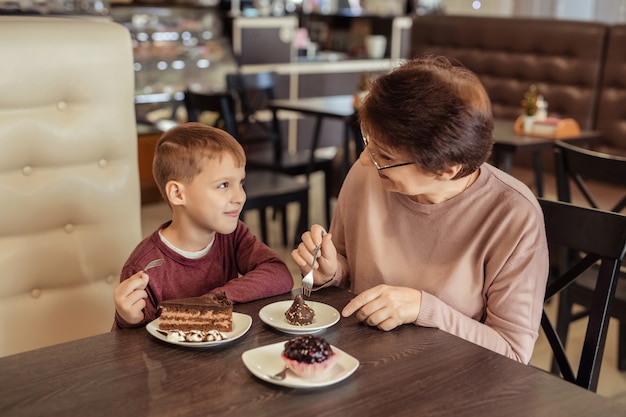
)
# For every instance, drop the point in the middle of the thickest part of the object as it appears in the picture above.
(187, 254)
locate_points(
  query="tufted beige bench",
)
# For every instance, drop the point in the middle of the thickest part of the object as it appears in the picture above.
(69, 188)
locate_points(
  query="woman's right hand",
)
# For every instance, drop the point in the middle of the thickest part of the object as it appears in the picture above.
(326, 264)
(130, 297)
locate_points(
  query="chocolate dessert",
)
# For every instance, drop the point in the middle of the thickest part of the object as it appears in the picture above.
(212, 312)
(299, 314)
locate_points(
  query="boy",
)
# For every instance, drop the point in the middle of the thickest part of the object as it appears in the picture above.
(200, 172)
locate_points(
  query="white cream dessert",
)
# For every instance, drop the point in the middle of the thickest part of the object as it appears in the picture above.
(193, 336)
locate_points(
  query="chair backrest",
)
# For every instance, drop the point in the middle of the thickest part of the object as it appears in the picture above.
(601, 237)
(219, 105)
(579, 166)
(70, 197)
(258, 124)
(254, 91)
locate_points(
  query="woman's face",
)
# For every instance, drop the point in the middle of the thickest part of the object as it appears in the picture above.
(397, 172)
(400, 174)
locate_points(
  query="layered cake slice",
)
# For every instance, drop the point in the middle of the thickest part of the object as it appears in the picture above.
(212, 312)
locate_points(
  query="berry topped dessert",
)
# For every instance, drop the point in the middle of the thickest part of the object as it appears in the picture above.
(299, 314)
(309, 356)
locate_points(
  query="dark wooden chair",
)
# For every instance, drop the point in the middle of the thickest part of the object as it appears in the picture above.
(359, 146)
(598, 238)
(264, 188)
(262, 135)
(582, 167)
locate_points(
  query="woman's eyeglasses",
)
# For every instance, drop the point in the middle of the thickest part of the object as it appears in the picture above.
(378, 167)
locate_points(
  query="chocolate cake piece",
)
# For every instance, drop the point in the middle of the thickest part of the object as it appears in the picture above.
(212, 312)
(299, 314)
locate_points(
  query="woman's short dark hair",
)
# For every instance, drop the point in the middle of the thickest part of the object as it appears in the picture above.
(181, 151)
(434, 110)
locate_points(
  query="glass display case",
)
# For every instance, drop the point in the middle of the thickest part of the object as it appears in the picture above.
(55, 7)
(175, 47)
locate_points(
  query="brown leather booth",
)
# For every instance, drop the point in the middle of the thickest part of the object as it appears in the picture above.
(611, 114)
(562, 58)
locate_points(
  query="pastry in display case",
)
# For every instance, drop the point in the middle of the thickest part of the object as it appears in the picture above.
(175, 47)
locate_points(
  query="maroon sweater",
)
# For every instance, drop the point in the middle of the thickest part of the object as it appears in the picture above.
(238, 264)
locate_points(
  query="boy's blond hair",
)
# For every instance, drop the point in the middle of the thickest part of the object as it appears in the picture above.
(181, 150)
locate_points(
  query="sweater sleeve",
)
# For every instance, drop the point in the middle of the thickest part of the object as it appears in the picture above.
(261, 272)
(514, 303)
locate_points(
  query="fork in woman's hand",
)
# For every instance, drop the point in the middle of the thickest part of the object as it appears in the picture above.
(307, 280)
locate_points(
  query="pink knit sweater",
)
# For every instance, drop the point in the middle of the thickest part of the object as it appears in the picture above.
(480, 258)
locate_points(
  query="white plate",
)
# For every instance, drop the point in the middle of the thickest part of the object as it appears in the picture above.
(274, 315)
(241, 324)
(265, 360)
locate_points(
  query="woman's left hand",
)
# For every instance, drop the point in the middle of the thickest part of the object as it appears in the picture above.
(385, 306)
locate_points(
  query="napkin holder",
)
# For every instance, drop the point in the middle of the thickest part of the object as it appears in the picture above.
(550, 128)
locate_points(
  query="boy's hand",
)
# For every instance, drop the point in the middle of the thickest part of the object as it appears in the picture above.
(130, 297)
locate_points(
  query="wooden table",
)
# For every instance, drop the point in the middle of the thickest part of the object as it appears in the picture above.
(506, 142)
(334, 107)
(409, 371)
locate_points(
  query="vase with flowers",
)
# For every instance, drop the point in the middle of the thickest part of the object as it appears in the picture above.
(529, 106)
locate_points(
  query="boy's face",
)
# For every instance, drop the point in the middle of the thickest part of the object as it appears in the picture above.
(215, 198)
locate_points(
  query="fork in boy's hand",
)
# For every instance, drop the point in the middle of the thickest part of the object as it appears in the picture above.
(155, 263)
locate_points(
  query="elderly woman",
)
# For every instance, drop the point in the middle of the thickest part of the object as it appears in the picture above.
(425, 231)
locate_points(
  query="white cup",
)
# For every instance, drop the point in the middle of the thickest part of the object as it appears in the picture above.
(375, 46)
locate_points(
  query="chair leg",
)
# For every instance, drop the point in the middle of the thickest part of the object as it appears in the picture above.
(263, 224)
(328, 192)
(537, 166)
(621, 347)
(283, 209)
(303, 220)
(564, 317)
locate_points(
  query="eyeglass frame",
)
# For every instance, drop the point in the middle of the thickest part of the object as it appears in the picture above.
(378, 167)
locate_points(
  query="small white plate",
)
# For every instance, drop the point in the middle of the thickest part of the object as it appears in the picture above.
(241, 324)
(274, 315)
(265, 361)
